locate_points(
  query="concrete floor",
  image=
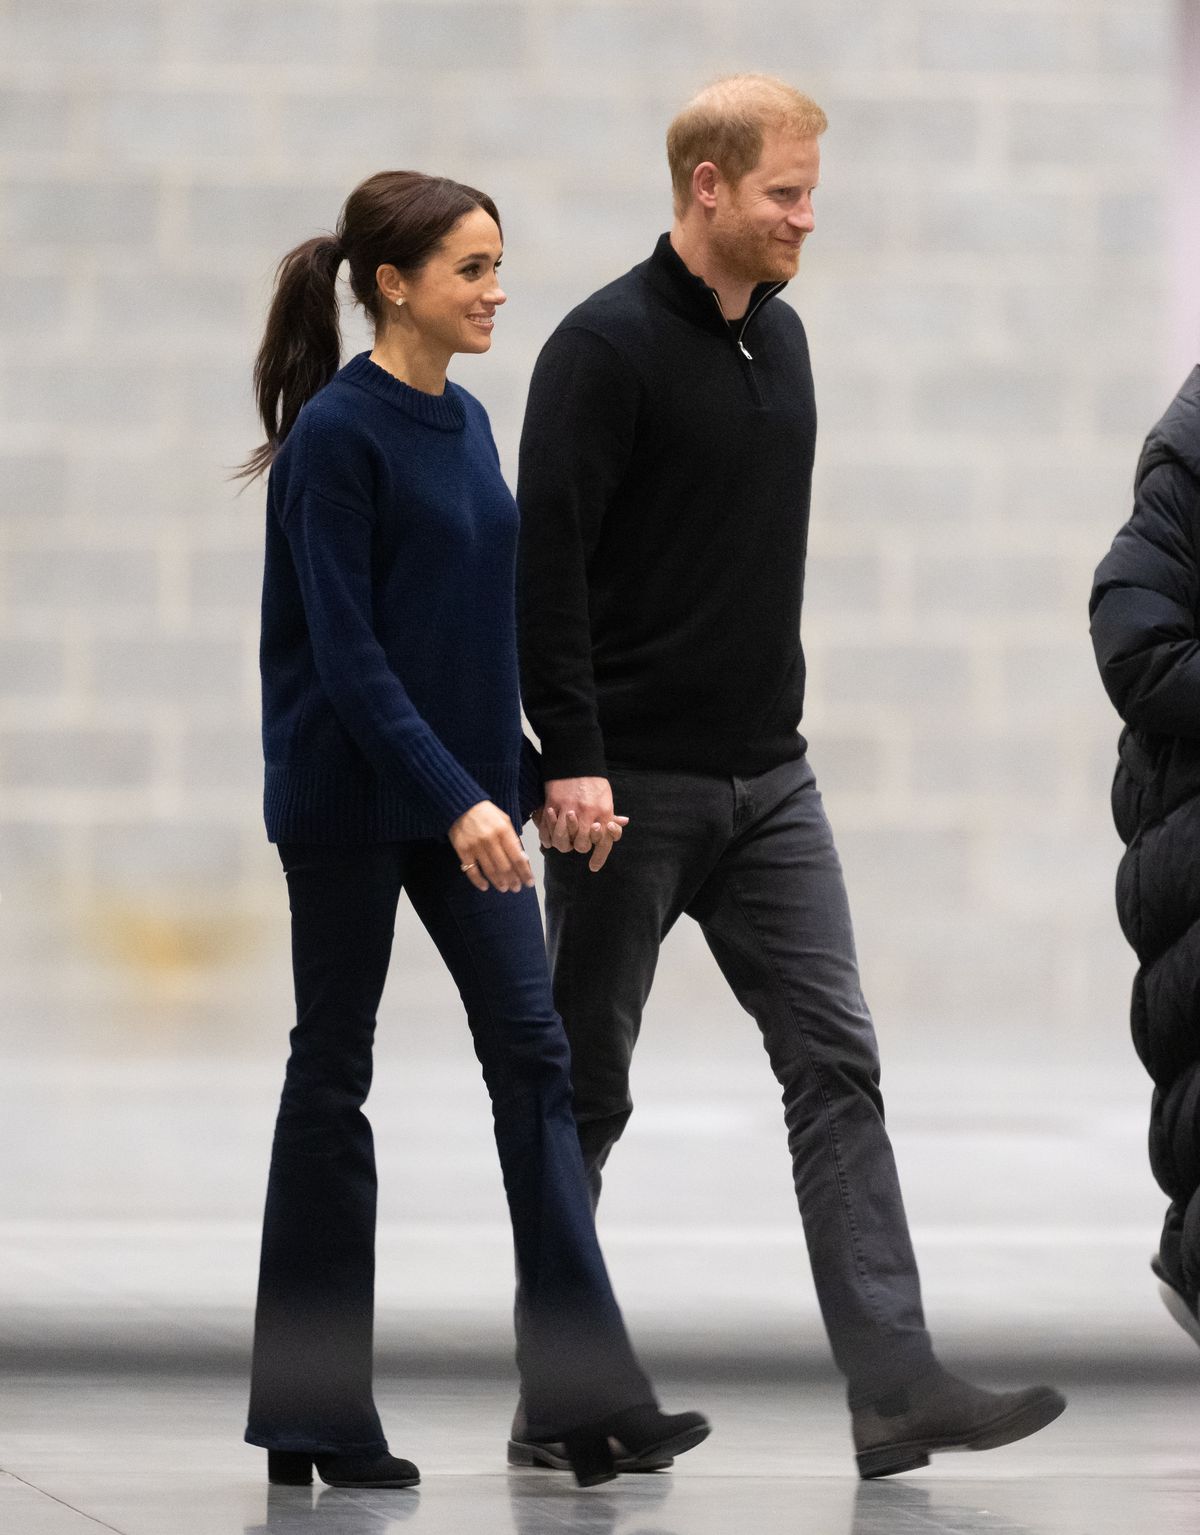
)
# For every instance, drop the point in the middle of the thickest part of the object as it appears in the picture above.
(159, 1455)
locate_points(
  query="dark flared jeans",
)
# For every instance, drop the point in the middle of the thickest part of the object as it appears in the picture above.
(752, 860)
(312, 1370)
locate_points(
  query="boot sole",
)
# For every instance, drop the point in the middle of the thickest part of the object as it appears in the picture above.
(411, 1481)
(655, 1457)
(1180, 1310)
(912, 1454)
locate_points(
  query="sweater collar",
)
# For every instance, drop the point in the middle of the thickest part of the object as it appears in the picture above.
(444, 412)
(691, 295)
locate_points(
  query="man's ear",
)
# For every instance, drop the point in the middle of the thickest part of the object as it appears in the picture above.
(705, 179)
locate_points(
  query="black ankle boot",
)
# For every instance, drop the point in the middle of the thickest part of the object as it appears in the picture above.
(287, 1468)
(629, 1441)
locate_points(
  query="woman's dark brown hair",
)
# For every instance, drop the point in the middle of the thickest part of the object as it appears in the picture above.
(395, 217)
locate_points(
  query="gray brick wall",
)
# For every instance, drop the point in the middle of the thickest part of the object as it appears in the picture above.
(986, 302)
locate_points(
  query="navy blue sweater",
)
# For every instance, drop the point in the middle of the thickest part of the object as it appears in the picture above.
(388, 657)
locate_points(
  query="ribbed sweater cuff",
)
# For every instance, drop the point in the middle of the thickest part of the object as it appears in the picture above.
(448, 787)
(326, 803)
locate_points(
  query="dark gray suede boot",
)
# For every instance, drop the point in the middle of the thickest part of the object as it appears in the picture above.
(899, 1432)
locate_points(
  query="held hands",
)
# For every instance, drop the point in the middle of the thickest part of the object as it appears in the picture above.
(489, 849)
(578, 816)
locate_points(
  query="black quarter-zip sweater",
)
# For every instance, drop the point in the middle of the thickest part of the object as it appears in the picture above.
(665, 472)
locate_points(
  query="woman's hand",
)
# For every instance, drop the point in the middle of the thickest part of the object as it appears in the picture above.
(489, 849)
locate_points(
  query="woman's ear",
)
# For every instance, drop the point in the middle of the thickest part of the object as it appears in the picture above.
(390, 284)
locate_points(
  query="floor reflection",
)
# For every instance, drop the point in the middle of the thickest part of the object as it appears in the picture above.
(540, 1504)
(648, 1505)
(903, 1508)
(336, 1511)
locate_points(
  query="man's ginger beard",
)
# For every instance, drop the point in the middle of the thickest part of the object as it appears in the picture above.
(749, 253)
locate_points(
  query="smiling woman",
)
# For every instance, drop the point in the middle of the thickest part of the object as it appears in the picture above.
(406, 238)
(395, 762)
(446, 305)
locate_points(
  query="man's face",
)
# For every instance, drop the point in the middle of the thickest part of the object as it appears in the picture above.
(760, 224)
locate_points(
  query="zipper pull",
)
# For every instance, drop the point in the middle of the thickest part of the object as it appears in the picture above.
(743, 351)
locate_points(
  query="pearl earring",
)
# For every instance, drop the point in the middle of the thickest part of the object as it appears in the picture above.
(399, 303)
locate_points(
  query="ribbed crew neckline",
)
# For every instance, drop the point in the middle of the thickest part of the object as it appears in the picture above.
(444, 412)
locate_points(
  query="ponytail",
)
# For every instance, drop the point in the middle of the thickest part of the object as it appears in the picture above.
(302, 346)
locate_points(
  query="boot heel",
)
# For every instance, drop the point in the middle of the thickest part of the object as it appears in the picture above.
(591, 1458)
(526, 1453)
(288, 1468)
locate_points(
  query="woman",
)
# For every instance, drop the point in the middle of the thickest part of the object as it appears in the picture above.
(395, 761)
(1146, 631)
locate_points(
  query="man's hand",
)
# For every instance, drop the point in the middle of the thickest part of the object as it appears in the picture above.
(578, 816)
(489, 849)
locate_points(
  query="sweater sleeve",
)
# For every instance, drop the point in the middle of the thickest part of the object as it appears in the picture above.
(576, 444)
(1143, 608)
(331, 550)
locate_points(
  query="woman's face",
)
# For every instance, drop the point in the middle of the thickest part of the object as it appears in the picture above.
(453, 299)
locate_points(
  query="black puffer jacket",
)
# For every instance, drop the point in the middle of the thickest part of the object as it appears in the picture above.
(1145, 612)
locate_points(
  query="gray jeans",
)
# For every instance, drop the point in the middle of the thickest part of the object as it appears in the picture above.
(753, 862)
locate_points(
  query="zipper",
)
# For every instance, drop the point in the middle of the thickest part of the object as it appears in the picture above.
(770, 293)
(739, 339)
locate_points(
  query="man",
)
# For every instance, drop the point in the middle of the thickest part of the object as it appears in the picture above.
(664, 490)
